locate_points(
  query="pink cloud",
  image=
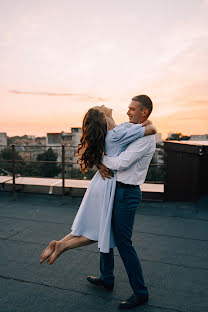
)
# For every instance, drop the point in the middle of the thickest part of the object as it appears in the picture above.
(85, 96)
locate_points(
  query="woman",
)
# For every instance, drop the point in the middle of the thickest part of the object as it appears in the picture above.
(93, 220)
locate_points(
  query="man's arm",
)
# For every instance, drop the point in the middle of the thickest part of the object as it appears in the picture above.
(133, 153)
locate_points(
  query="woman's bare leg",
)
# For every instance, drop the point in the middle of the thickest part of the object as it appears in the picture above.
(61, 246)
(51, 247)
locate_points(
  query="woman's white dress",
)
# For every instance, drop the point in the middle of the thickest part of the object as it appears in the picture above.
(93, 219)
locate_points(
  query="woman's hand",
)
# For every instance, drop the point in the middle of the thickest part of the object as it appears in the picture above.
(150, 129)
(146, 123)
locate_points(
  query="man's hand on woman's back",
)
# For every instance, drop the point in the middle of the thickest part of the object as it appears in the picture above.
(105, 172)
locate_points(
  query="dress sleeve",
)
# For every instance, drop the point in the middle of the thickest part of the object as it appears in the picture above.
(133, 153)
(127, 133)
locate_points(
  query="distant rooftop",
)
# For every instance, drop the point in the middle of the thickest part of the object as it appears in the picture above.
(191, 142)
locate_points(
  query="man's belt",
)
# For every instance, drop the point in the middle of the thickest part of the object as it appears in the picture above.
(120, 184)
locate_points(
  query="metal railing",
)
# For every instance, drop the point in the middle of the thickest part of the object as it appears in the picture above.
(63, 163)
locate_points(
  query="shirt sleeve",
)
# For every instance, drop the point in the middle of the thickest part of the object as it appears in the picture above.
(127, 133)
(133, 153)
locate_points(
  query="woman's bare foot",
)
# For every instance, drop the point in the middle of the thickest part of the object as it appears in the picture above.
(48, 251)
(59, 249)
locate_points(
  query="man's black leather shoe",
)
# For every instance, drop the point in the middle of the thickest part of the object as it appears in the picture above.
(133, 301)
(99, 282)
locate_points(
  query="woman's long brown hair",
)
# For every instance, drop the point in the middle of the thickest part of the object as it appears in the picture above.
(92, 142)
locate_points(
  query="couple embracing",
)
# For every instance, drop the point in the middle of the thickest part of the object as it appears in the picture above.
(106, 215)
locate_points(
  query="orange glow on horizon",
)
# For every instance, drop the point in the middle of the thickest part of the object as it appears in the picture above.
(39, 115)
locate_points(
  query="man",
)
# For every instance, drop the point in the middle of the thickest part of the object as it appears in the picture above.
(131, 166)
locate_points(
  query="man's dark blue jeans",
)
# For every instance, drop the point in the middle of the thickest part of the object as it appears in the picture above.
(125, 203)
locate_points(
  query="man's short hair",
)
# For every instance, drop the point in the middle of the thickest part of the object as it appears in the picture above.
(145, 102)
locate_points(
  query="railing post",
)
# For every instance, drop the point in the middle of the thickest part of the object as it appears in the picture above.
(13, 167)
(166, 172)
(63, 169)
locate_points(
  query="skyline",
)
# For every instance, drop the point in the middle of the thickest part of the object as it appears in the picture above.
(57, 61)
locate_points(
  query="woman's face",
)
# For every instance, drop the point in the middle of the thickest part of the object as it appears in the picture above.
(105, 110)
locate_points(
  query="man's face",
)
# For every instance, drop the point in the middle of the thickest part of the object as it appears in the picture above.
(136, 113)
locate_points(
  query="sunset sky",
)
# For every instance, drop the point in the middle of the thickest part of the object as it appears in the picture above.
(60, 57)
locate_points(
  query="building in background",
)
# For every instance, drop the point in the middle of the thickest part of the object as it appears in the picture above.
(170, 135)
(31, 137)
(201, 137)
(71, 141)
(28, 147)
(3, 140)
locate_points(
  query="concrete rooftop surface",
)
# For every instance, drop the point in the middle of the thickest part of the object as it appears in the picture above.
(171, 239)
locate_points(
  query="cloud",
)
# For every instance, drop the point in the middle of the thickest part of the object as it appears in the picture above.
(85, 96)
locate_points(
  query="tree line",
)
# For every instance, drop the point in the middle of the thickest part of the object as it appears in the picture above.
(31, 169)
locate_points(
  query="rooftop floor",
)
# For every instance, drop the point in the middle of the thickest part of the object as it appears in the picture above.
(170, 238)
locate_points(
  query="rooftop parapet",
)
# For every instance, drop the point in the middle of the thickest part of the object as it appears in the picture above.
(186, 170)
